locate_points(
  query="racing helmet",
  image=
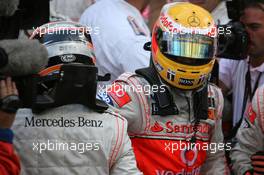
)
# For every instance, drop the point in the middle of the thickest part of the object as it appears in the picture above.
(70, 76)
(66, 42)
(183, 45)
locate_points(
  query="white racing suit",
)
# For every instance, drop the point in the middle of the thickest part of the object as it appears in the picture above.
(73, 140)
(158, 141)
(250, 136)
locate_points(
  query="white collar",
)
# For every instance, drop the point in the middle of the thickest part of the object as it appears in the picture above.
(258, 68)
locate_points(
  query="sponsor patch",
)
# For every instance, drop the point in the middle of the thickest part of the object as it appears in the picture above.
(169, 25)
(119, 95)
(251, 114)
(202, 79)
(171, 74)
(173, 127)
(159, 67)
(186, 82)
(67, 58)
(105, 97)
(156, 127)
(193, 21)
(156, 110)
(136, 28)
(211, 108)
(189, 157)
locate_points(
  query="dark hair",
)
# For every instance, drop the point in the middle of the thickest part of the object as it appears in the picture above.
(254, 3)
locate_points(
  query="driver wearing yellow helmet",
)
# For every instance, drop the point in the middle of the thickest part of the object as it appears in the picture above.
(173, 113)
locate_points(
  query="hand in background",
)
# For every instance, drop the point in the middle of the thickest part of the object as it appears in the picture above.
(7, 89)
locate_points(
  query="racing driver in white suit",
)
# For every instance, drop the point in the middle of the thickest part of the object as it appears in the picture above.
(69, 132)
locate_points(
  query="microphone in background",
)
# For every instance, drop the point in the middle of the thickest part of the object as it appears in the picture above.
(19, 59)
(22, 57)
(8, 7)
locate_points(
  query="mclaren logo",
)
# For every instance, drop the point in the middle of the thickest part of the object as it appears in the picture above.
(194, 21)
(68, 58)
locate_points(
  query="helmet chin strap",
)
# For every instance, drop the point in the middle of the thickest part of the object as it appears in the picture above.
(164, 100)
(166, 105)
(200, 103)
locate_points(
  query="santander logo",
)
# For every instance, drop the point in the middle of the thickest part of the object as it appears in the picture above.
(156, 127)
(171, 127)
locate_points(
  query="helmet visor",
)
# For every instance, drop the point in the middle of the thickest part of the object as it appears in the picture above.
(66, 46)
(188, 45)
(63, 35)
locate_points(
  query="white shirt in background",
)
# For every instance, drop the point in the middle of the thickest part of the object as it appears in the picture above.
(118, 37)
(71, 9)
(220, 13)
(232, 74)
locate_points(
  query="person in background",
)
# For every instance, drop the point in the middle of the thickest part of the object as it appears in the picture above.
(121, 35)
(9, 161)
(241, 78)
(68, 9)
(248, 153)
(68, 131)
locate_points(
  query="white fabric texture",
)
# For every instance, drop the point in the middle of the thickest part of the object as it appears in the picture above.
(72, 9)
(118, 45)
(102, 146)
(220, 14)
